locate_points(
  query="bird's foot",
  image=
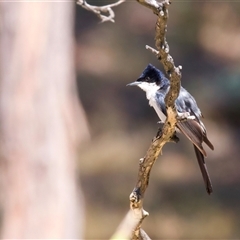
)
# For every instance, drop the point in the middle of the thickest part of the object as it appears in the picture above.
(174, 138)
(184, 116)
(161, 123)
(159, 132)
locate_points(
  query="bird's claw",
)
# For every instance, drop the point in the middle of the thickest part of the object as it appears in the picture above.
(161, 123)
(184, 117)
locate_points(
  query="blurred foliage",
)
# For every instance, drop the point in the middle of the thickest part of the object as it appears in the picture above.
(204, 38)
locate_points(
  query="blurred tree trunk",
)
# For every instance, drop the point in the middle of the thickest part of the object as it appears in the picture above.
(41, 122)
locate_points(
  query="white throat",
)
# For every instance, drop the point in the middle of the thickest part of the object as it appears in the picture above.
(151, 90)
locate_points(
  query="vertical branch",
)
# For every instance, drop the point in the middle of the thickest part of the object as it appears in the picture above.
(146, 164)
(137, 213)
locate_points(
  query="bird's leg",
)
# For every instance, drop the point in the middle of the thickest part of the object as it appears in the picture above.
(159, 132)
(161, 123)
(174, 137)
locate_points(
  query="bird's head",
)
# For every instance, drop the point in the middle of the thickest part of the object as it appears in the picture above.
(151, 78)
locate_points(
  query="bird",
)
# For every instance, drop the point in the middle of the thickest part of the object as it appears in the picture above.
(156, 85)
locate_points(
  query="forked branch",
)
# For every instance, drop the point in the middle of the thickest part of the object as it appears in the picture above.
(105, 13)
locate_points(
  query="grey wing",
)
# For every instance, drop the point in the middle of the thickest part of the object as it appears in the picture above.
(184, 103)
(193, 129)
(160, 97)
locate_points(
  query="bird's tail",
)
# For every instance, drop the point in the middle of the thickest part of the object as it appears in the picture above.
(204, 170)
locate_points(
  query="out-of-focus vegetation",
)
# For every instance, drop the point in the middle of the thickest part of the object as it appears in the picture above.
(204, 38)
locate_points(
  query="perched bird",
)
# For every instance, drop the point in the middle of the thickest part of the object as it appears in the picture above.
(156, 86)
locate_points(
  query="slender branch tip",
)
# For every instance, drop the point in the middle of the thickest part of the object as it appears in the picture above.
(99, 10)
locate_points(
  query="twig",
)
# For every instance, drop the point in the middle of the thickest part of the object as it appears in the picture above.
(99, 10)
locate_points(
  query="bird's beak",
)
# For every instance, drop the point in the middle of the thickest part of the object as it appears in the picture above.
(133, 83)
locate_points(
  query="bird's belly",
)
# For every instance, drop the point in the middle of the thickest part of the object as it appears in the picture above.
(160, 114)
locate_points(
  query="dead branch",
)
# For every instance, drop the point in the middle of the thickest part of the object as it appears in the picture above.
(131, 225)
(100, 11)
(137, 214)
(167, 132)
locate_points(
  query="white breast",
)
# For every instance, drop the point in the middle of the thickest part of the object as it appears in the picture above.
(151, 89)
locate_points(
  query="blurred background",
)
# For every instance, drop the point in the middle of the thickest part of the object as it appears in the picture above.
(204, 38)
(70, 149)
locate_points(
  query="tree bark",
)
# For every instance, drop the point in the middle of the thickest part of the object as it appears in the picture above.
(41, 122)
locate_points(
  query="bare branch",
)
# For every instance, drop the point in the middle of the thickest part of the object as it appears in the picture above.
(99, 10)
(152, 4)
(167, 132)
(131, 225)
(164, 135)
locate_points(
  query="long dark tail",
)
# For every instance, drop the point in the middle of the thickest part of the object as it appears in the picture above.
(204, 170)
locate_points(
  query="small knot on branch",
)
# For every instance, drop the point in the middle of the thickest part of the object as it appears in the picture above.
(135, 196)
(141, 160)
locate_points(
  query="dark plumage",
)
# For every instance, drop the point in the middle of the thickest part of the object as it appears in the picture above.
(156, 86)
